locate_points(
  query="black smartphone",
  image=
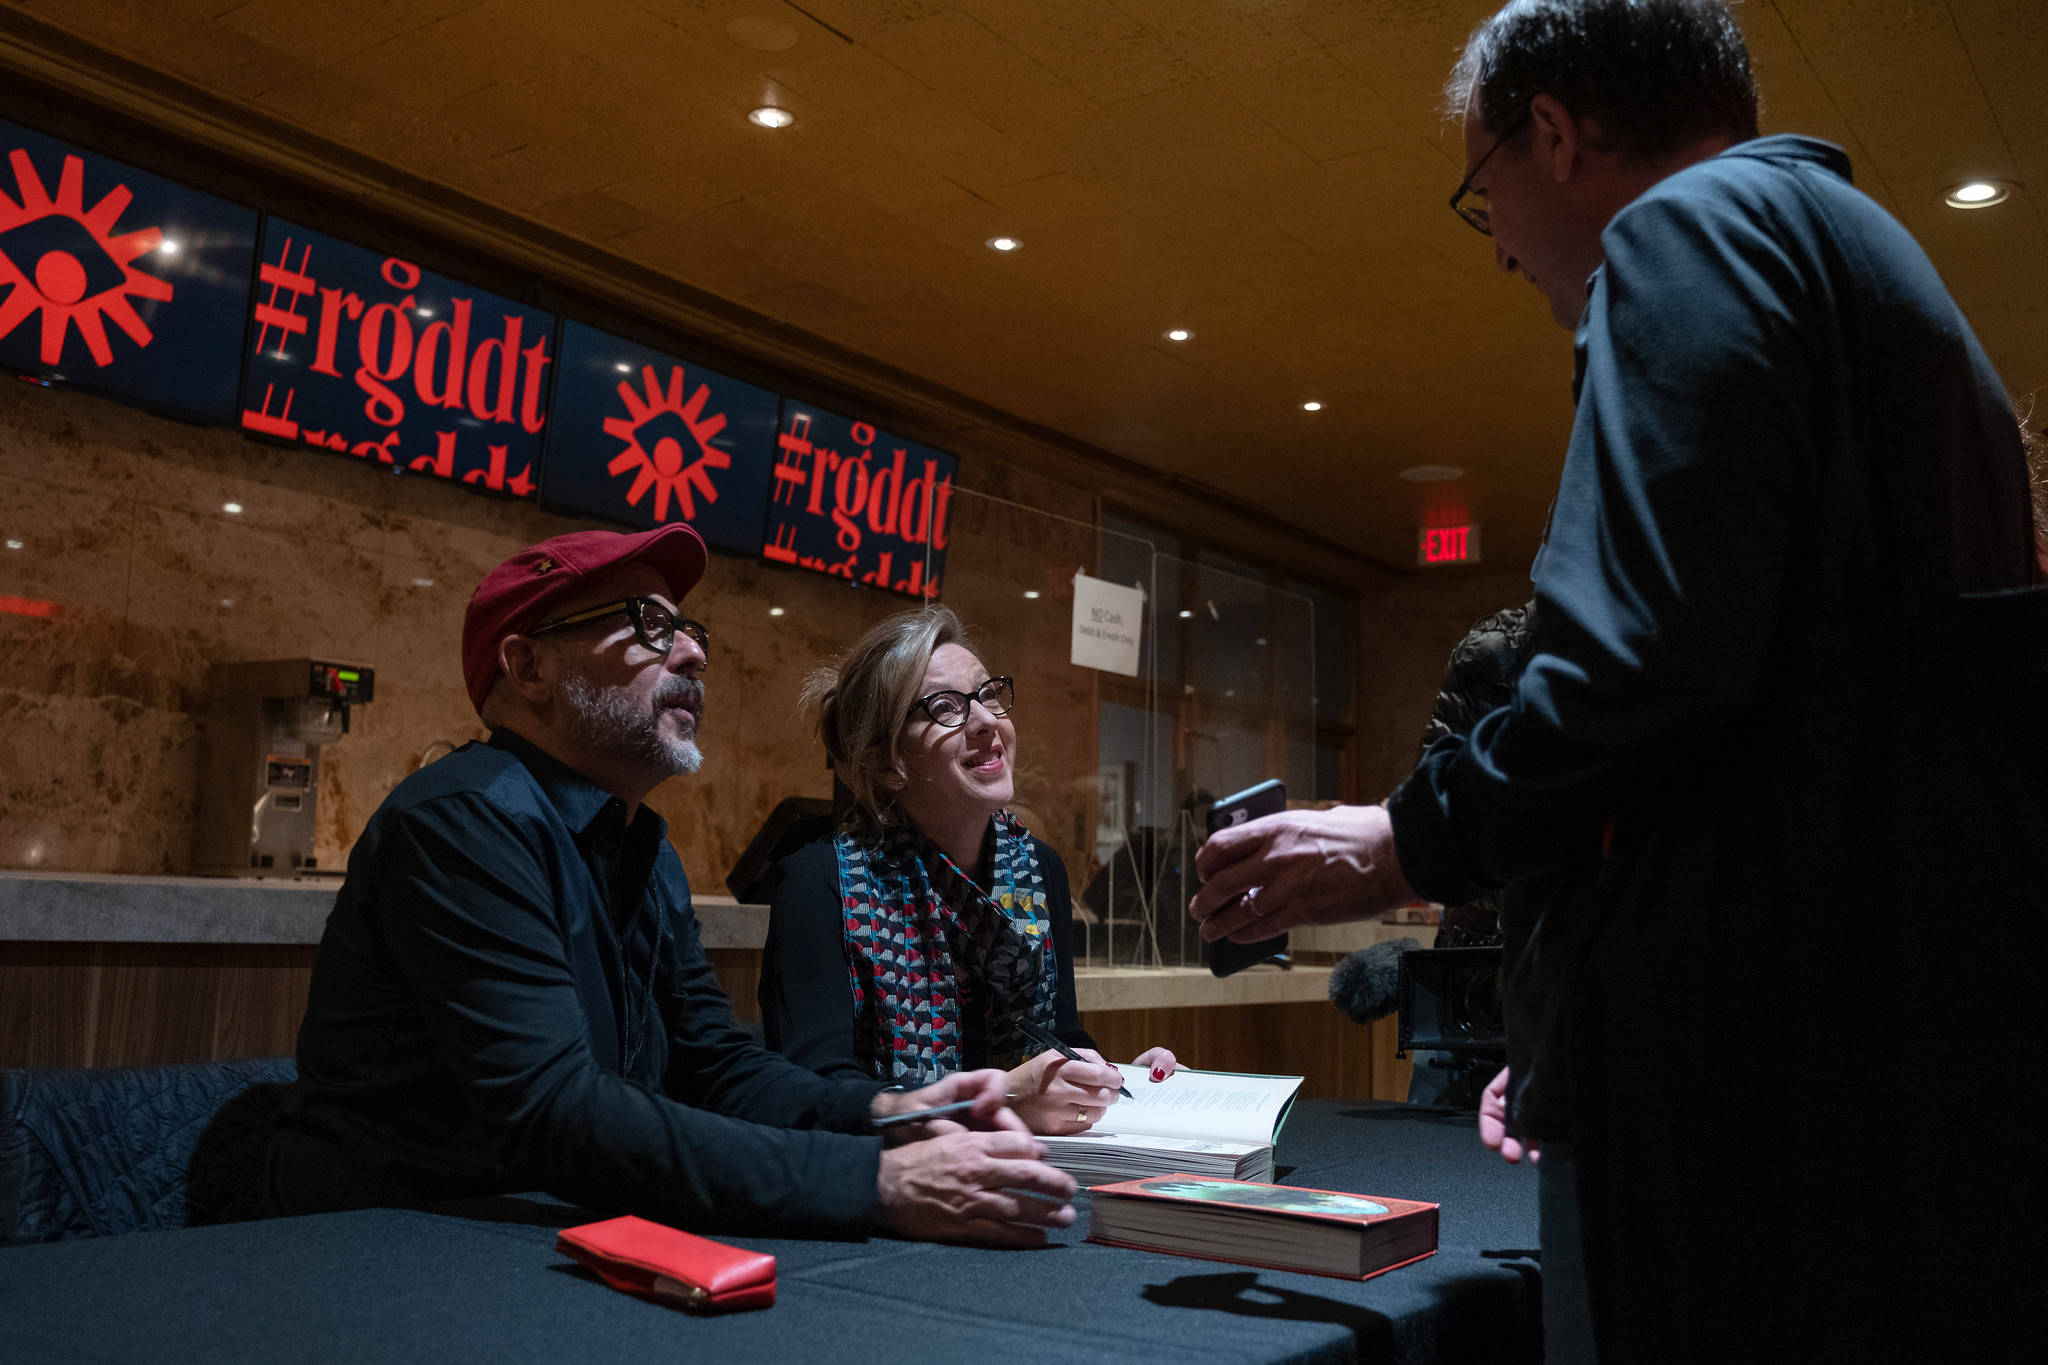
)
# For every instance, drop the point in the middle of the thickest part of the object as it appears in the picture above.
(1267, 798)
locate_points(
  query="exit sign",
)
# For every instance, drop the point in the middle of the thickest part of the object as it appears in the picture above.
(1447, 545)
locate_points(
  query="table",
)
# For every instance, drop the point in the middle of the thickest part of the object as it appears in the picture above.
(479, 1280)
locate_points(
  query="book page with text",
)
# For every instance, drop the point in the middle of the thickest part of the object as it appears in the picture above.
(1218, 1106)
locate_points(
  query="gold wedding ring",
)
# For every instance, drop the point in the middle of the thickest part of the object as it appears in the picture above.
(1081, 1115)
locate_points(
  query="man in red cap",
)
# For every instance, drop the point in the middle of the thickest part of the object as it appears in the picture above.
(511, 995)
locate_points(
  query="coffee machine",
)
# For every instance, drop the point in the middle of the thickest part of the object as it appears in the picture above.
(260, 763)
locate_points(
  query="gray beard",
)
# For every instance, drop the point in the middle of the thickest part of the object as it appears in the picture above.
(606, 718)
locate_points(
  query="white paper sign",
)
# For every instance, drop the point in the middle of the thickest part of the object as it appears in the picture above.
(1107, 619)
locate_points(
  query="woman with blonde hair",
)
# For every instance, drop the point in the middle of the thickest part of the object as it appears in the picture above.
(912, 941)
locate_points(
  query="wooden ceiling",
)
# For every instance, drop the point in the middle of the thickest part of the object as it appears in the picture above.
(1271, 175)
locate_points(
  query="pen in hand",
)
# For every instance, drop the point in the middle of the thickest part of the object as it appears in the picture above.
(921, 1115)
(1045, 1038)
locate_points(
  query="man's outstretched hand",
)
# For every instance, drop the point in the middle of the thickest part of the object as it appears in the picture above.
(986, 1089)
(1309, 867)
(991, 1189)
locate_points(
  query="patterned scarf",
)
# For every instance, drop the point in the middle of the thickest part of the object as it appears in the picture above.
(922, 936)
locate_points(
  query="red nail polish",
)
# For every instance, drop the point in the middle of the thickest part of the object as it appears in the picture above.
(1158, 1073)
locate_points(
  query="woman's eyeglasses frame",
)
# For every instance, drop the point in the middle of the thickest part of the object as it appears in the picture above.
(1006, 690)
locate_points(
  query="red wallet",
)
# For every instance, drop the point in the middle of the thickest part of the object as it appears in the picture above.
(678, 1267)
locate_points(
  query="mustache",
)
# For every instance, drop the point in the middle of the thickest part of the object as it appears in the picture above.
(677, 690)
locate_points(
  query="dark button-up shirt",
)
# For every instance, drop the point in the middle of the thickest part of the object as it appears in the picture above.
(511, 995)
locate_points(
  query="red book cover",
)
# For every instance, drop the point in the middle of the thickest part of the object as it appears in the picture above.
(1391, 1232)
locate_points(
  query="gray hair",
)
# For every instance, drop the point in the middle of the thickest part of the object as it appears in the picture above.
(864, 698)
(1656, 75)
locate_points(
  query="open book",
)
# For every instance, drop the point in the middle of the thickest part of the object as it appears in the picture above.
(1220, 1123)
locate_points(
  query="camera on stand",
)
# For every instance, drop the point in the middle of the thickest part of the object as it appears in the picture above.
(1450, 1006)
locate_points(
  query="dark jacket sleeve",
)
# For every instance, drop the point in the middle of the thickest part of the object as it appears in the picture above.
(1059, 903)
(1662, 580)
(806, 992)
(475, 934)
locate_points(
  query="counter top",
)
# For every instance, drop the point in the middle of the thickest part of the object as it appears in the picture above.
(75, 907)
(84, 907)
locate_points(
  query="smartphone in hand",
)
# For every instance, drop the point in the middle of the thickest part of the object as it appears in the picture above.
(1267, 798)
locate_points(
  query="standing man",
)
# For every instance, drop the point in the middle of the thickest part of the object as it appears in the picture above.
(1786, 697)
(511, 995)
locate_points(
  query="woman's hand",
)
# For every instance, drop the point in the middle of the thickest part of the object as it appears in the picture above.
(1058, 1097)
(1161, 1062)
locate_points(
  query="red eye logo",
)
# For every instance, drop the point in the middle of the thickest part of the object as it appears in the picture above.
(57, 256)
(655, 439)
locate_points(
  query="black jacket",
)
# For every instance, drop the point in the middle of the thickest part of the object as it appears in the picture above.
(807, 987)
(477, 1025)
(1790, 458)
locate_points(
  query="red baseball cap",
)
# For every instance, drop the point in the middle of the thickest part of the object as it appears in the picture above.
(523, 591)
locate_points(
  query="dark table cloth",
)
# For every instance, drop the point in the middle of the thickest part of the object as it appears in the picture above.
(480, 1280)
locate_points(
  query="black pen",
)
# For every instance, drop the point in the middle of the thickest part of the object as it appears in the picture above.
(1044, 1038)
(920, 1115)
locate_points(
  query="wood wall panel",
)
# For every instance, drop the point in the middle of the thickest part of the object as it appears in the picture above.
(739, 972)
(145, 1004)
(1336, 1058)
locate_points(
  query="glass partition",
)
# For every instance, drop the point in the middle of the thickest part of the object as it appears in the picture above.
(1116, 772)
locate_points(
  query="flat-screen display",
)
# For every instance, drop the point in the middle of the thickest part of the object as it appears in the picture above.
(643, 438)
(120, 281)
(858, 503)
(364, 354)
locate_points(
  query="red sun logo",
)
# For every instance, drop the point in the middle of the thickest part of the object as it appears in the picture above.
(659, 454)
(78, 272)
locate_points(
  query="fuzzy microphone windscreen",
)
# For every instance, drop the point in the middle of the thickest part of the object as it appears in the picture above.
(1366, 984)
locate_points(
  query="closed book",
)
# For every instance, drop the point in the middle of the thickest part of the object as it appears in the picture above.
(1277, 1227)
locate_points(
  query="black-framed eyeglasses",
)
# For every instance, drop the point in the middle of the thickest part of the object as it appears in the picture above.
(1474, 214)
(654, 625)
(949, 709)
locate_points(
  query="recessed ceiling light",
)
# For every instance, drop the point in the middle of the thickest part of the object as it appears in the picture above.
(1003, 244)
(1179, 334)
(1033, 594)
(423, 582)
(623, 368)
(227, 601)
(775, 611)
(1977, 194)
(169, 246)
(233, 509)
(1432, 473)
(1311, 406)
(424, 312)
(768, 116)
(1185, 615)
(14, 545)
